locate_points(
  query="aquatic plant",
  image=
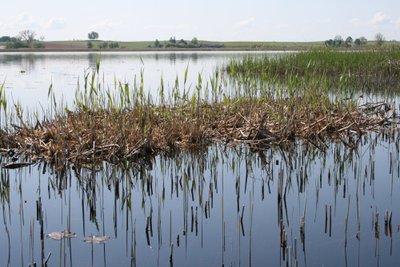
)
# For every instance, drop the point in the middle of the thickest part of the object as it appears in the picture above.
(261, 103)
(338, 71)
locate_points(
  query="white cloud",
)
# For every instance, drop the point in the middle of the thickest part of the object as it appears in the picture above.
(106, 25)
(15, 24)
(55, 24)
(380, 18)
(21, 22)
(155, 27)
(245, 23)
(356, 22)
(168, 27)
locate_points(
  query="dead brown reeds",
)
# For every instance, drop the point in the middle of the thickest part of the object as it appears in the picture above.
(248, 104)
(129, 135)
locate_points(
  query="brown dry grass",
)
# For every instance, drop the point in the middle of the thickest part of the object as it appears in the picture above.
(118, 136)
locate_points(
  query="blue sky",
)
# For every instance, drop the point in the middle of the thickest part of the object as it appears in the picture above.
(220, 20)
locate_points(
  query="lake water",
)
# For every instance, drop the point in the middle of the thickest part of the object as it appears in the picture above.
(27, 76)
(218, 207)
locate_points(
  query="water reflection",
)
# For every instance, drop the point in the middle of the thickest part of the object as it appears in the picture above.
(226, 206)
(92, 61)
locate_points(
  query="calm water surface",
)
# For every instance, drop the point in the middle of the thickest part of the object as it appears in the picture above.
(27, 76)
(218, 207)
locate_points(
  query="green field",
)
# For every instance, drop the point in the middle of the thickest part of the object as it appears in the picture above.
(244, 45)
(144, 45)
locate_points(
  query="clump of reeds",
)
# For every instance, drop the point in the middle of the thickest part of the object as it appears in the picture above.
(89, 136)
(372, 71)
(125, 125)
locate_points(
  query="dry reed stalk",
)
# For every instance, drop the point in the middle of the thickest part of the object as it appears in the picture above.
(94, 136)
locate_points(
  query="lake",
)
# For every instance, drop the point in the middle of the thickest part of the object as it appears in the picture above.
(221, 206)
(27, 76)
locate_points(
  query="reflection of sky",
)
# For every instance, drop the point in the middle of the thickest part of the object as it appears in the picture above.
(28, 75)
(217, 169)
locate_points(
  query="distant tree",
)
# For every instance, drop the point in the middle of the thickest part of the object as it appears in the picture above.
(41, 38)
(172, 40)
(182, 43)
(329, 43)
(363, 40)
(379, 38)
(5, 39)
(93, 35)
(28, 36)
(357, 42)
(194, 41)
(89, 44)
(157, 44)
(338, 41)
(349, 41)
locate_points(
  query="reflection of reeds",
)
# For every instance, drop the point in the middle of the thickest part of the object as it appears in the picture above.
(291, 171)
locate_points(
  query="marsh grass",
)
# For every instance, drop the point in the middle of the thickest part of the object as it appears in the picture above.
(337, 71)
(261, 103)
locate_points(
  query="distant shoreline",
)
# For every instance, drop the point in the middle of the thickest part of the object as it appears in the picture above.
(206, 46)
(149, 50)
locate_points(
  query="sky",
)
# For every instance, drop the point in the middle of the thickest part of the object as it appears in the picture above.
(215, 20)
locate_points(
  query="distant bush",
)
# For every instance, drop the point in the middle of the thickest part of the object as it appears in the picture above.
(173, 43)
(89, 44)
(16, 44)
(104, 45)
(38, 45)
(4, 39)
(194, 43)
(157, 44)
(114, 45)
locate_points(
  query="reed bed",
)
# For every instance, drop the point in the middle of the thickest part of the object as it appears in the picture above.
(94, 136)
(126, 125)
(367, 71)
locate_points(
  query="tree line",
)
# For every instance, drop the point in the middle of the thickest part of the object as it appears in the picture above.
(338, 41)
(25, 39)
(173, 43)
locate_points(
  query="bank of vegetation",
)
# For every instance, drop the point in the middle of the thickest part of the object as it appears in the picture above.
(25, 39)
(194, 43)
(260, 102)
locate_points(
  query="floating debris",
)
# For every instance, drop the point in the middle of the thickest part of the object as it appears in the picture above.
(61, 235)
(55, 235)
(69, 234)
(96, 239)
(16, 165)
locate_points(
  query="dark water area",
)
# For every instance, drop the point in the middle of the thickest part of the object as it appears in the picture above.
(293, 206)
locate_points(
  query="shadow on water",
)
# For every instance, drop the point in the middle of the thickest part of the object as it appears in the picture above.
(296, 206)
(27, 63)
